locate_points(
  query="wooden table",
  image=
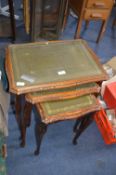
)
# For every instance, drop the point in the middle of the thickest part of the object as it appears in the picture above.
(91, 10)
(61, 110)
(49, 66)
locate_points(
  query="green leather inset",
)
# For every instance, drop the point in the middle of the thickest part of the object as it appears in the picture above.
(61, 106)
(74, 88)
(52, 62)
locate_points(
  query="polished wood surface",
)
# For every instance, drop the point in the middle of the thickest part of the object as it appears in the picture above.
(67, 109)
(49, 114)
(78, 60)
(64, 93)
(26, 15)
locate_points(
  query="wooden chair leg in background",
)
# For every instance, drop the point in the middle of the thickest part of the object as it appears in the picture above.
(78, 29)
(102, 30)
(86, 24)
(66, 14)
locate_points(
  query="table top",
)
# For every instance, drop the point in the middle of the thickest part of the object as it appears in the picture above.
(51, 65)
(67, 109)
(64, 93)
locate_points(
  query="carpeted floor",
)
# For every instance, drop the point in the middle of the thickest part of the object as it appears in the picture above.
(58, 156)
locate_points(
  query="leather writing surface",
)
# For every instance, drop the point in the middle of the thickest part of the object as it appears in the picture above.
(43, 63)
(54, 108)
(67, 109)
(74, 88)
(51, 65)
(62, 93)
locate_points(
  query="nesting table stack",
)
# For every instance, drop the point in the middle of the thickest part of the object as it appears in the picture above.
(61, 79)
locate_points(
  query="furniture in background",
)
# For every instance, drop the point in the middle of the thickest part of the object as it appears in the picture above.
(91, 10)
(57, 71)
(26, 15)
(7, 21)
(46, 18)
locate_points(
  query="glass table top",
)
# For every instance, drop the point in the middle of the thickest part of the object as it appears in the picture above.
(50, 62)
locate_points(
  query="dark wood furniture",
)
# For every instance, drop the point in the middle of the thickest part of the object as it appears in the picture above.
(52, 67)
(64, 93)
(91, 10)
(46, 18)
(54, 95)
(7, 24)
(26, 15)
(55, 111)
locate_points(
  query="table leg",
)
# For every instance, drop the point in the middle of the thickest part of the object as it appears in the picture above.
(102, 30)
(86, 24)
(18, 108)
(77, 123)
(26, 120)
(40, 130)
(86, 121)
(78, 29)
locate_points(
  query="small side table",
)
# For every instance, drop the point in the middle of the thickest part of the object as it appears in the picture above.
(91, 10)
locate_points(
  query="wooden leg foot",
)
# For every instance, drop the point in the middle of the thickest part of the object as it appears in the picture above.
(85, 122)
(22, 144)
(20, 137)
(40, 130)
(36, 152)
(74, 142)
(77, 123)
(18, 108)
